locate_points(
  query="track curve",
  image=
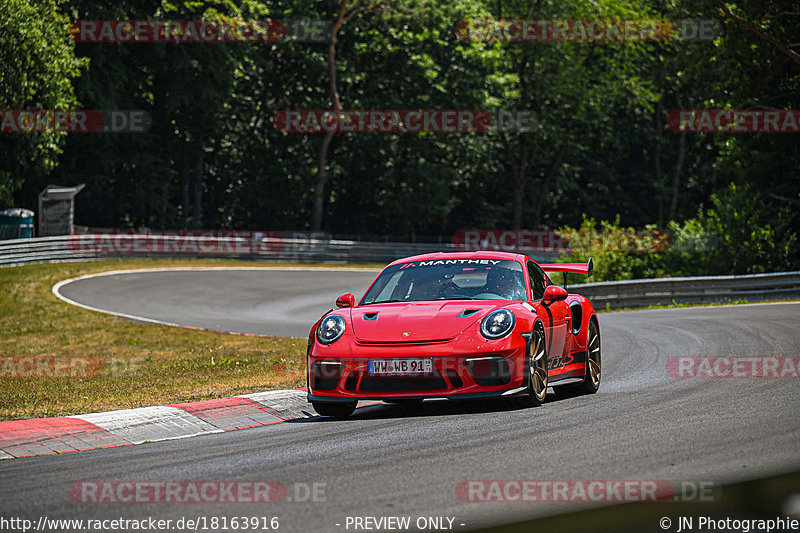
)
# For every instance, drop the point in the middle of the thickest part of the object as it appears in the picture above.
(259, 300)
(642, 424)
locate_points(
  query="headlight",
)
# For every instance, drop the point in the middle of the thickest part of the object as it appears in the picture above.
(498, 324)
(330, 329)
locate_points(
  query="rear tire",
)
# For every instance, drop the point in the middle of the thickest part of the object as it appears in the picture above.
(591, 381)
(335, 410)
(537, 370)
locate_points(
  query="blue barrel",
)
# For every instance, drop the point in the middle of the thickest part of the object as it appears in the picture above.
(16, 223)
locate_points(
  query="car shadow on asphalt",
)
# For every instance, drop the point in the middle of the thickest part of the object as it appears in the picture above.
(384, 411)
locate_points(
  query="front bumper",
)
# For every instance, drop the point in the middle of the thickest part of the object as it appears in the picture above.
(510, 393)
(462, 369)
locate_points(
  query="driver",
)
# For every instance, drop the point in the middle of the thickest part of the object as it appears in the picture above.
(504, 282)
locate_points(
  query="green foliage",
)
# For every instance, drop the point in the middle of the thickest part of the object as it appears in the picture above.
(37, 65)
(598, 155)
(739, 234)
(617, 252)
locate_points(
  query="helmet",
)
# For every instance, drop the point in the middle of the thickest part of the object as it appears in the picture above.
(504, 282)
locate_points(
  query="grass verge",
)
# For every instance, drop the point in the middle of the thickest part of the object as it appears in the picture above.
(139, 364)
(676, 305)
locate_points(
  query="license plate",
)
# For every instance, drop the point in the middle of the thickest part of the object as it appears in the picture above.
(401, 366)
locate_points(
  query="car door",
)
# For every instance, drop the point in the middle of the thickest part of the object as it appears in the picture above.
(554, 317)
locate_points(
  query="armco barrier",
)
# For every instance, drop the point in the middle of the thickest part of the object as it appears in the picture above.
(691, 290)
(604, 295)
(253, 246)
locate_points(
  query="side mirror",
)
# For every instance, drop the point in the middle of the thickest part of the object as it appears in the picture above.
(554, 293)
(348, 300)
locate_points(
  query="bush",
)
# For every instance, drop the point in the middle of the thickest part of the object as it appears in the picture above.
(618, 252)
(740, 234)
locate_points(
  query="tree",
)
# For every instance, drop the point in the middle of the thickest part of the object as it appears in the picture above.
(580, 95)
(37, 65)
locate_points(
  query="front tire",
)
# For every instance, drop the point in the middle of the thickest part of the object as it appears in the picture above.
(335, 410)
(537, 370)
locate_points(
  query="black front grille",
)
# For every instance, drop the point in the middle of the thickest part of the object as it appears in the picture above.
(402, 383)
(325, 376)
(454, 378)
(489, 371)
(351, 381)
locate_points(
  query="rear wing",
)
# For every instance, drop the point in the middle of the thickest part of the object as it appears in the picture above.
(570, 268)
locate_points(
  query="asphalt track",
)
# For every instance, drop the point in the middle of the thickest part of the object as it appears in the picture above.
(265, 301)
(641, 425)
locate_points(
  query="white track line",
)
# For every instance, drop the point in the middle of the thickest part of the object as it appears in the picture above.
(57, 289)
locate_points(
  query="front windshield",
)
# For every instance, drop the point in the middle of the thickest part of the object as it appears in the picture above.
(448, 279)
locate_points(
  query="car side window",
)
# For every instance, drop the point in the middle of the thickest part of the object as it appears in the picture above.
(537, 280)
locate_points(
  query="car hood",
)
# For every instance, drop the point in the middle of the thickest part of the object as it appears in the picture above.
(418, 321)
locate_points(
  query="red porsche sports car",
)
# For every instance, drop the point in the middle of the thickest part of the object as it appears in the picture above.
(459, 326)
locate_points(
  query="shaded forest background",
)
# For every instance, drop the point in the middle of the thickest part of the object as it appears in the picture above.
(599, 155)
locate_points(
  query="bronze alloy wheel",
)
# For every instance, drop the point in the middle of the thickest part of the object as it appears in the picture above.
(591, 382)
(537, 367)
(593, 349)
